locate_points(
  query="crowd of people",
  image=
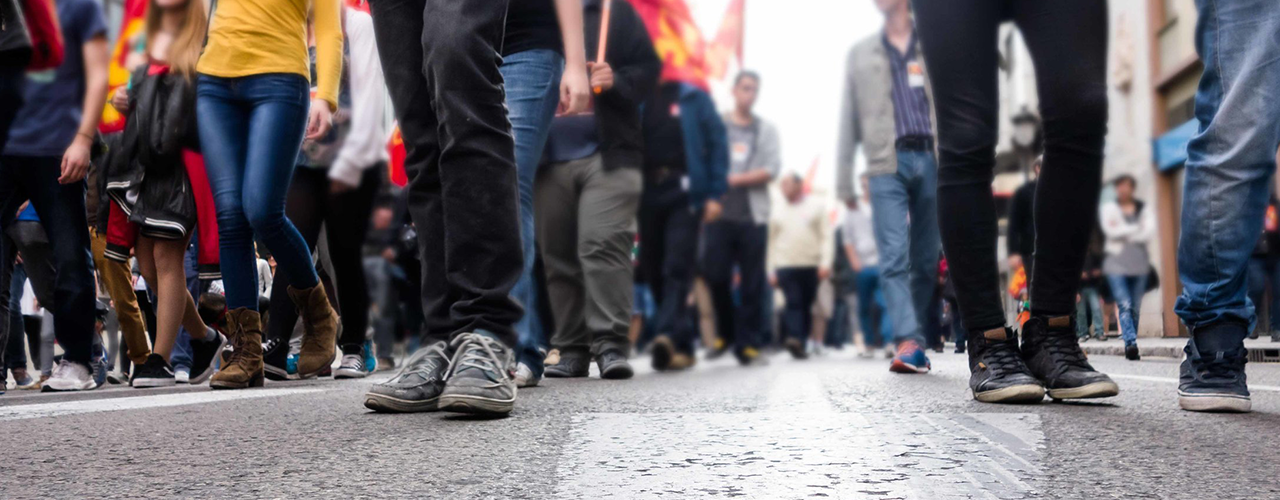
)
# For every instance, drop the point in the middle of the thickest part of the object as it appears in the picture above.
(564, 210)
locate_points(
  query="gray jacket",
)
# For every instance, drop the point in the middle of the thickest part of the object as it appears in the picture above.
(866, 115)
(766, 154)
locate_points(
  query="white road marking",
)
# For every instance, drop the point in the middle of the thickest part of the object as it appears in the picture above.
(44, 410)
(1171, 380)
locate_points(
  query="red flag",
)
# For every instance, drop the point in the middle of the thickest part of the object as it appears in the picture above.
(360, 5)
(728, 41)
(131, 42)
(685, 55)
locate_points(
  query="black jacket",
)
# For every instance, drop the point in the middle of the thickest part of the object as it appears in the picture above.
(636, 69)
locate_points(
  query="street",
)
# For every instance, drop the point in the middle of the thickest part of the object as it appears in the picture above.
(832, 427)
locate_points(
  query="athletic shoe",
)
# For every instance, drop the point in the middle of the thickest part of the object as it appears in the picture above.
(573, 363)
(718, 348)
(370, 361)
(750, 356)
(385, 364)
(69, 376)
(203, 353)
(660, 352)
(480, 376)
(681, 361)
(156, 372)
(416, 387)
(99, 366)
(352, 366)
(1213, 381)
(796, 348)
(1131, 352)
(910, 359)
(614, 366)
(1050, 350)
(182, 375)
(997, 372)
(291, 367)
(866, 352)
(525, 378)
(277, 363)
(26, 382)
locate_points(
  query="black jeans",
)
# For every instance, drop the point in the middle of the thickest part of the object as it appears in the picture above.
(62, 214)
(1068, 40)
(12, 81)
(310, 206)
(800, 287)
(441, 62)
(668, 246)
(741, 245)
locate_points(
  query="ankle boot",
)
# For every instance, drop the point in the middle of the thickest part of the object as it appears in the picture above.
(319, 330)
(242, 365)
(1052, 353)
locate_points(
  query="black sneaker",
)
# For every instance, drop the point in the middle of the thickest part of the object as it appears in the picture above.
(416, 387)
(574, 363)
(1131, 352)
(998, 374)
(156, 372)
(1052, 354)
(203, 353)
(275, 359)
(614, 366)
(481, 377)
(1213, 381)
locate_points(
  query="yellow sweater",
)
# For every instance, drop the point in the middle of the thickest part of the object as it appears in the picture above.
(254, 37)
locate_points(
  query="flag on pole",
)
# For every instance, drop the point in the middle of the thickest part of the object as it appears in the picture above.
(132, 40)
(686, 55)
(395, 148)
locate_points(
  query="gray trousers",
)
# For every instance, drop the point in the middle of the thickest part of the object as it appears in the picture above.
(585, 217)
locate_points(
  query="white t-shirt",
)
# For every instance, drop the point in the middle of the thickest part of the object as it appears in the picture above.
(857, 230)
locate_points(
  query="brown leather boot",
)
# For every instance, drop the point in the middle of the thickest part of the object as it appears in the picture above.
(242, 367)
(319, 330)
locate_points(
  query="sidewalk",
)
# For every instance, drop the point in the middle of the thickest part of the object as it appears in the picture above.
(1169, 347)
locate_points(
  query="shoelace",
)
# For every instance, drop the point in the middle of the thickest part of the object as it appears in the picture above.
(475, 350)
(1221, 367)
(1063, 347)
(416, 365)
(1003, 358)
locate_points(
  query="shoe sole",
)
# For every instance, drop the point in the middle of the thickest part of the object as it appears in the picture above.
(213, 367)
(316, 373)
(1094, 390)
(255, 382)
(475, 405)
(88, 386)
(144, 383)
(1013, 394)
(387, 404)
(1222, 403)
(620, 371)
(903, 367)
(346, 374)
(661, 352)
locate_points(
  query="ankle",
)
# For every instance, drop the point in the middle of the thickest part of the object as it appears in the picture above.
(1223, 336)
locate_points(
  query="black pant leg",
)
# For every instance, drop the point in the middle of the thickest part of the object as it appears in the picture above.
(752, 321)
(347, 229)
(720, 255)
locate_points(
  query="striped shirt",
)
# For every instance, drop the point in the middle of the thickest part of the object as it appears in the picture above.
(910, 105)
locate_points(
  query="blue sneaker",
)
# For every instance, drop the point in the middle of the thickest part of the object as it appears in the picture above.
(291, 366)
(99, 366)
(1213, 381)
(370, 361)
(910, 359)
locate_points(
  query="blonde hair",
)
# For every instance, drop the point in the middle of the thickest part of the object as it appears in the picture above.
(187, 43)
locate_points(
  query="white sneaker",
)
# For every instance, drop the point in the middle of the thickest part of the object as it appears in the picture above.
(524, 376)
(352, 366)
(182, 375)
(69, 376)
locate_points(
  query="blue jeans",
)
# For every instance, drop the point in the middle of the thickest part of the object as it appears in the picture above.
(182, 353)
(1229, 162)
(1089, 312)
(15, 354)
(871, 298)
(250, 129)
(533, 90)
(905, 216)
(1127, 292)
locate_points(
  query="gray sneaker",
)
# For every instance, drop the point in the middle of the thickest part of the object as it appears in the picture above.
(416, 388)
(70, 376)
(481, 376)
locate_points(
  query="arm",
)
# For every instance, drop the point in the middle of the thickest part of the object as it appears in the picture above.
(852, 255)
(636, 64)
(575, 92)
(328, 33)
(769, 161)
(1113, 225)
(850, 135)
(826, 242)
(717, 137)
(75, 161)
(365, 143)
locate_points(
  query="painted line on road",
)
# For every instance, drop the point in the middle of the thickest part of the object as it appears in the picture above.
(1170, 380)
(59, 409)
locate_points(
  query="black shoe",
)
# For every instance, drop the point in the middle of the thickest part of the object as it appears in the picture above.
(1214, 380)
(416, 387)
(1050, 350)
(481, 377)
(156, 372)
(203, 353)
(796, 348)
(959, 348)
(1131, 352)
(614, 366)
(275, 359)
(661, 350)
(574, 363)
(998, 374)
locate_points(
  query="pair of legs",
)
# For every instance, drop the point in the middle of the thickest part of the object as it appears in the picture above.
(1128, 292)
(585, 214)
(905, 214)
(1089, 312)
(740, 246)
(668, 244)
(114, 275)
(871, 304)
(532, 81)
(800, 287)
(162, 265)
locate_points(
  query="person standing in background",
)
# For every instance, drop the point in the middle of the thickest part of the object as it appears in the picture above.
(1089, 308)
(864, 258)
(740, 238)
(1128, 228)
(800, 258)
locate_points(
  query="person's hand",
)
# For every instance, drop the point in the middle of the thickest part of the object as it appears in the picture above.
(601, 75)
(712, 211)
(857, 267)
(319, 120)
(824, 273)
(389, 254)
(1015, 261)
(120, 100)
(75, 162)
(773, 280)
(339, 187)
(575, 91)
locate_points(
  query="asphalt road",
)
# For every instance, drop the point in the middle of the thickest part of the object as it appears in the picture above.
(832, 427)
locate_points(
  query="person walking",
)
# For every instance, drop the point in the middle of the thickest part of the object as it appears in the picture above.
(1089, 308)
(441, 59)
(586, 200)
(864, 257)
(45, 159)
(739, 239)
(1230, 163)
(1128, 228)
(1068, 42)
(800, 257)
(887, 110)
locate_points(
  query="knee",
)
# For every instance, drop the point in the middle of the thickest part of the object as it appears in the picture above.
(262, 218)
(1077, 115)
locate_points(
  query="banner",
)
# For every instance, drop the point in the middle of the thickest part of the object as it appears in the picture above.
(686, 55)
(130, 42)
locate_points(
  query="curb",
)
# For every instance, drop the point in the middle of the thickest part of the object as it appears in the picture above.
(1117, 349)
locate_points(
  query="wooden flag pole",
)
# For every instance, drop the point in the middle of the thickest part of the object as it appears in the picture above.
(604, 36)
